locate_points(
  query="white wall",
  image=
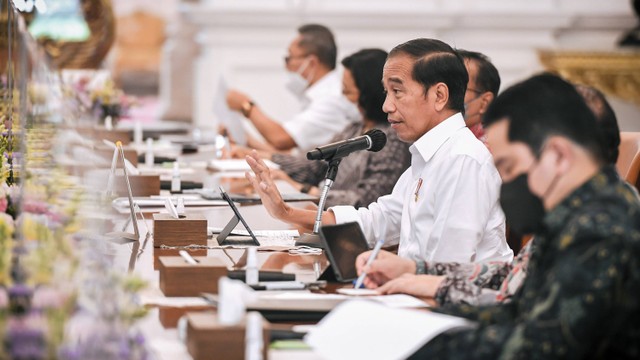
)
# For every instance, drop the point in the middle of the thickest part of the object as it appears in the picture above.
(246, 39)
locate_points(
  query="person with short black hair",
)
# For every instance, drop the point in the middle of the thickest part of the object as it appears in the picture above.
(434, 212)
(489, 282)
(579, 299)
(312, 78)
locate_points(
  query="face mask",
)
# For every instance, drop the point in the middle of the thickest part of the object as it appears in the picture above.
(296, 83)
(522, 208)
(466, 106)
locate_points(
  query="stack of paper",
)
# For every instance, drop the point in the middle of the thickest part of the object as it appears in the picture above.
(354, 330)
(235, 165)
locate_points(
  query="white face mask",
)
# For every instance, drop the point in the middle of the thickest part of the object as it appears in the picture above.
(296, 83)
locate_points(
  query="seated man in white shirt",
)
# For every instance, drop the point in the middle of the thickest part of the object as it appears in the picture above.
(311, 64)
(445, 206)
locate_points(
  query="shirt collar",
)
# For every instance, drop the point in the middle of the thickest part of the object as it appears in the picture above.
(429, 143)
(605, 180)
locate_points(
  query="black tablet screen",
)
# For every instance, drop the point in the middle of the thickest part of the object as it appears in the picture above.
(343, 243)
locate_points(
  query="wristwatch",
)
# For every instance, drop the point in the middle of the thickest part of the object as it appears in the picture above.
(246, 108)
(421, 267)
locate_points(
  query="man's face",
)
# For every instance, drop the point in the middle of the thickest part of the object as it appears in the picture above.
(411, 112)
(511, 158)
(296, 56)
(476, 101)
(472, 97)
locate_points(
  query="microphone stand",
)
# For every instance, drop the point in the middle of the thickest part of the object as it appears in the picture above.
(313, 239)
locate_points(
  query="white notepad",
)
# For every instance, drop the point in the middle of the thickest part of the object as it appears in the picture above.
(360, 329)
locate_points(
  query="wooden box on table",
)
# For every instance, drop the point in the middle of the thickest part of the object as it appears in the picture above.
(208, 339)
(179, 278)
(190, 230)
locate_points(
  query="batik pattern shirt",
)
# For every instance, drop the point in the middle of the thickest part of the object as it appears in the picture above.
(363, 176)
(581, 297)
(464, 283)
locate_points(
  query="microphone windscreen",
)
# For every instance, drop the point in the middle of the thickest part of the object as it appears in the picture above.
(378, 139)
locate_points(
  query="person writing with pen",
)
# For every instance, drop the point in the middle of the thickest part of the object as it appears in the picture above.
(434, 212)
(579, 298)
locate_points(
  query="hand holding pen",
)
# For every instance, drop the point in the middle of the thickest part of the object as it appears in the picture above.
(373, 256)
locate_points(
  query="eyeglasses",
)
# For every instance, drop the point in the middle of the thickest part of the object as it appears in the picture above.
(288, 58)
(475, 91)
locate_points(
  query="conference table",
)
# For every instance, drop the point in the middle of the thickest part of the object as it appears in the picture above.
(159, 326)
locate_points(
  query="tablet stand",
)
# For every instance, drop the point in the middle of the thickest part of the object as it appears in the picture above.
(122, 236)
(222, 237)
(328, 275)
(313, 239)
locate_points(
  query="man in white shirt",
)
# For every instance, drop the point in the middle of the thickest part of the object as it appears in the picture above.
(445, 206)
(311, 64)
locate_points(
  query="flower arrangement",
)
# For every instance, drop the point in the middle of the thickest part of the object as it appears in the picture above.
(97, 92)
(60, 296)
(54, 280)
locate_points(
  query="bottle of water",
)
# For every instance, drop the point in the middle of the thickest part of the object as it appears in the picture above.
(148, 156)
(251, 272)
(253, 337)
(175, 178)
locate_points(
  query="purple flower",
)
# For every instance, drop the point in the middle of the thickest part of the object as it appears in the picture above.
(20, 299)
(23, 342)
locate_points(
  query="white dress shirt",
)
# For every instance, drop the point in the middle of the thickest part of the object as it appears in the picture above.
(325, 113)
(454, 215)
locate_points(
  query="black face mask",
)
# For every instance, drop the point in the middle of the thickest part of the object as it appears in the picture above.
(524, 210)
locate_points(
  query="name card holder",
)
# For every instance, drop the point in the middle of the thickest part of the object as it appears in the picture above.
(159, 252)
(188, 230)
(141, 185)
(207, 339)
(179, 278)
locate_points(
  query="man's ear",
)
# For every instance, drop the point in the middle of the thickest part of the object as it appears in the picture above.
(485, 100)
(316, 60)
(564, 150)
(442, 96)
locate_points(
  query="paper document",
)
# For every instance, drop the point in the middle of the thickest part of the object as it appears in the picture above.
(350, 330)
(236, 165)
(399, 301)
(357, 292)
(159, 202)
(394, 300)
(273, 234)
(231, 120)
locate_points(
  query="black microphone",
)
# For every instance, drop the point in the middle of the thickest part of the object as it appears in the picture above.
(373, 140)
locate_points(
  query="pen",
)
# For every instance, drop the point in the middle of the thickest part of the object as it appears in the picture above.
(374, 253)
(188, 258)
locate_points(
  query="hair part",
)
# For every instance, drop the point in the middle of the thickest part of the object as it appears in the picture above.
(366, 68)
(487, 77)
(543, 106)
(318, 40)
(436, 62)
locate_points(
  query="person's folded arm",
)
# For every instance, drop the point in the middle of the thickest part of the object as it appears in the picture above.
(273, 132)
